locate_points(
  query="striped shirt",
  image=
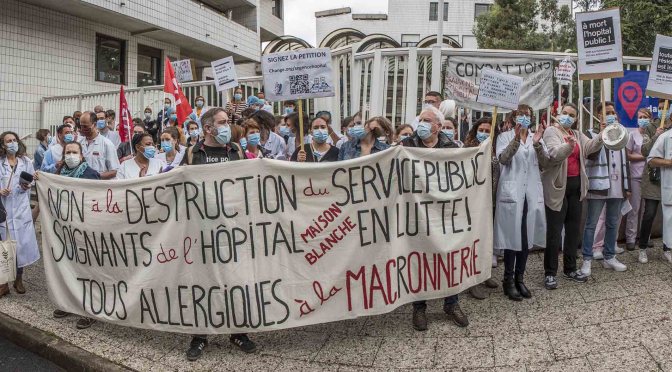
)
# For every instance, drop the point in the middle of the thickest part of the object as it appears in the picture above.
(235, 108)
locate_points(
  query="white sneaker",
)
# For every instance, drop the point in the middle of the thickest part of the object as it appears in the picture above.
(619, 250)
(667, 255)
(614, 264)
(597, 255)
(494, 260)
(585, 267)
(642, 256)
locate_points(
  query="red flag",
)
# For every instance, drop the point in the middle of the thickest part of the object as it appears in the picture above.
(171, 86)
(125, 119)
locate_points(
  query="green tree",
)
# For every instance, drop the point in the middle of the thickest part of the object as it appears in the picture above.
(641, 20)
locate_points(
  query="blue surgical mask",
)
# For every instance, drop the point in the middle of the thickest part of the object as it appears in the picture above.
(223, 135)
(524, 121)
(401, 138)
(149, 152)
(320, 135)
(243, 143)
(424, 130)
(199, 103)
(611, 119)
(357, 132)
(254, 139)
(288, 110)
(566, 121)
(13, 147)
(194, 133)
(237, 97)
(285, 131)
(482, 136)
(167, 146)
(69, 138)
(643, 122)
(449, 132)
(100, 124)
(173, 117)
(148, 115)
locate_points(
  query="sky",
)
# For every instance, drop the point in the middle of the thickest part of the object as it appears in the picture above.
(300, 14)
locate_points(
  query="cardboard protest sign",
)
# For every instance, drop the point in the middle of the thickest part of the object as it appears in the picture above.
(463, 76)
(600, 49)
(304, 73)
(257, 245)
(225, 74)
(565, 72)
(660, 76)
(183, 71)
(499, 89)
(629, 96)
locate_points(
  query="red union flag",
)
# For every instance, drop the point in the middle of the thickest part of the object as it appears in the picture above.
(125, 119)
(171, 86)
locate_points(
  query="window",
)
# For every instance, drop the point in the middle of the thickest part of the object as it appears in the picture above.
(409, 40)
(149, 66)
(481, 9)
(277, 8)
(110, 59)
(434, 11)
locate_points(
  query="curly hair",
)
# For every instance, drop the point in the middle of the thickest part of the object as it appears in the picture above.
(3, 148)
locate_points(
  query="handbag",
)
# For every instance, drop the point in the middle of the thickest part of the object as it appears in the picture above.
(7, 254)
(654, 175)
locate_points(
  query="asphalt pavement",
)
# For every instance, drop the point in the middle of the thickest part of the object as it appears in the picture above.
(14, 358)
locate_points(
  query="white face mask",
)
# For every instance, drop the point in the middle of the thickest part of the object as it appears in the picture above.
(72, 160)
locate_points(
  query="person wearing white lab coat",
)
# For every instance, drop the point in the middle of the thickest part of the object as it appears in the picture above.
(16, 199)
(661, 156)
(520, 216)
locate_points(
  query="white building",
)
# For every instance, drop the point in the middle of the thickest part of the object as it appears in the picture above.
(69, 47)
(407, 23)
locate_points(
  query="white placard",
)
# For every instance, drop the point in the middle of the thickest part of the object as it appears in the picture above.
(565, 71)
(225, 73)
(304, 73)
(499, 89)
(183, 70)
(598, 37)
(660, 75)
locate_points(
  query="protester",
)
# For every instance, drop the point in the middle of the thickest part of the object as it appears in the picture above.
(53, 155)
(70, 121)
(660, 156)
(99, 152)
(334, 137)
(272, 145)
(76, 116)
(252, 138)
(235, 108)
(288, 107)
(105, 131)
(318, 150)
(520, 220)
(171, 118)
(98, 109)
(194, 133)
(637, 165)
(200, 108)
(401, 133)
(565, 185)
(110, 117)
(44, 137)
(365, 138)
(449, 130)
(292, 126)
(15, 196)
(124, 150)
(172, 151)
(151, 126)
(429, 135)
(216, 147)
(346, 123)
(144, 162)
(162, 115)
(432, 99)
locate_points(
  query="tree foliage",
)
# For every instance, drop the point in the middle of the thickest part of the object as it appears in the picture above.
(641, 20)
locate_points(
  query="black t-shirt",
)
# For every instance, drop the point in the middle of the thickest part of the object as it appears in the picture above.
(330, 155)
(216, 154)
(422, 144)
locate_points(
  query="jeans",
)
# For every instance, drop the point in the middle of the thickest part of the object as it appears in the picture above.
(650, 210)
(612, 217)
(568, 217)
(516, 261)
(422, 305)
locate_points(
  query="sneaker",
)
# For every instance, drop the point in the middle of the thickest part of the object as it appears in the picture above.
(667, 255)
(586, 266)
(58, 314)
(477, 292)
(455, 313)
(491, 283)
(550, 282)
(576, 276)
(630, 246)
(615, 264)
(597, 255)
(84, 323)
(419, 320)
(642, 256)
(620, 250)
(244, 343)
(196, 348)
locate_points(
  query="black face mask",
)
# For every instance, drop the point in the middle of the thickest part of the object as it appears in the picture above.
(77, 121)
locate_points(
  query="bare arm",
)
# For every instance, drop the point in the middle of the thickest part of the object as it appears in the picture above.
(632, 156)
(108, 175)
(660, 162)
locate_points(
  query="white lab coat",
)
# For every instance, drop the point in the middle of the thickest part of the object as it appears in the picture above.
(203, 111)
(19, 216)
(663, 149)
(519, 180)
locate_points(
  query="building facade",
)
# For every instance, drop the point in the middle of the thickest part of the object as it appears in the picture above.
(69, 47)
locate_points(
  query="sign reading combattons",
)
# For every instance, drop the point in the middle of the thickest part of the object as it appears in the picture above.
(660, 76)
(600, 49)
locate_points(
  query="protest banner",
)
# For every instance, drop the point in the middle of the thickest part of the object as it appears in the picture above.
(565, 72)
(225, 74)
(629, 96)
(463, 76)
(499, 89)
(304, 73)
(660, 76)
(262, 244)
(600, 49)
(183, 71)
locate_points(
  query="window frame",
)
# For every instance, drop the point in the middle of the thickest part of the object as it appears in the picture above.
(434, 11)
(159, 64)
(476, 5)
(406, 44)
(276, 9)
(123, 58)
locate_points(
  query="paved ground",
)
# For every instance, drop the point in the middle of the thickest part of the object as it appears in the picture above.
(617, 321)
(14, 358)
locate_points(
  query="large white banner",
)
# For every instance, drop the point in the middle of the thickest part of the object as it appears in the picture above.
(304, 73)
(463, 76)
(263, 244)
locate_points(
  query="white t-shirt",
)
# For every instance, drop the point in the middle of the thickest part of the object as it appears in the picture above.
(100, 154)
(130, 169)
(276, 145)
(113, 137)
(176, 161)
